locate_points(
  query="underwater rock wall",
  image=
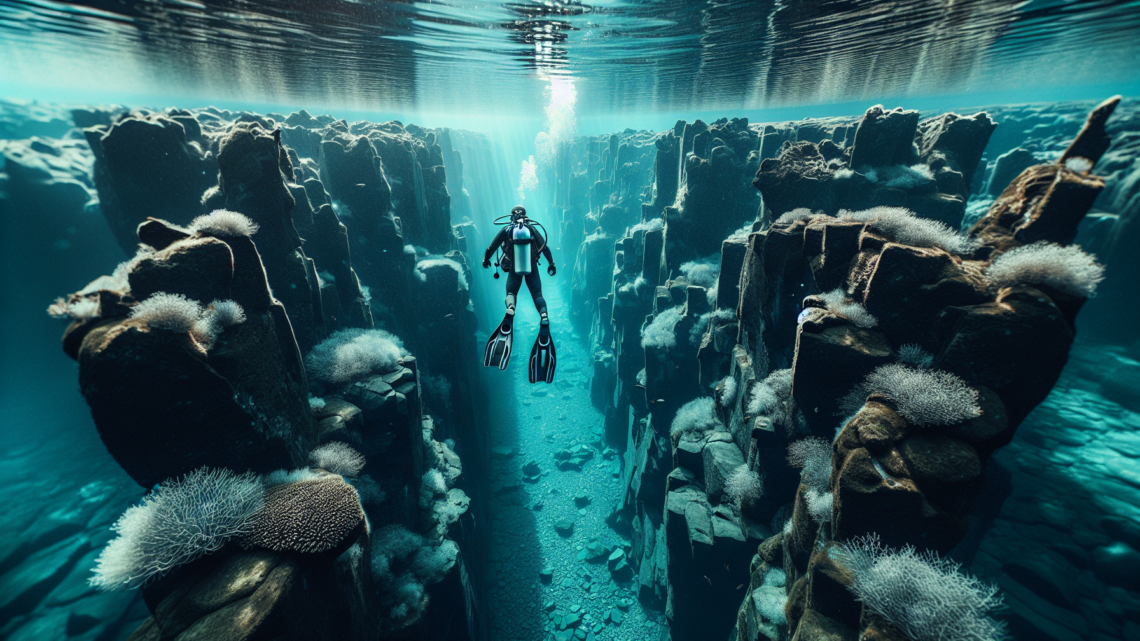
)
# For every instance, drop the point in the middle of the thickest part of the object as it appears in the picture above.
(239, 337)
(841, 273)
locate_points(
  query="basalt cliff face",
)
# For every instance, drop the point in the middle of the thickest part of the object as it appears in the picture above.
(896, 296)
(296, 309)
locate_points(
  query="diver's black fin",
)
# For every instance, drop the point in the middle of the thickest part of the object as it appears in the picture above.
(542, 357)
(498, 352)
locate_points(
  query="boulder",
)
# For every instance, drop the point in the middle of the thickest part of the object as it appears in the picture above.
(829, 361)
(720, 459)
(251, 595)
(1008, 166)
(200, 269)
(798, 177)
(148, 164)
(885, 137)
(952, 145)
(1016, 346)
(136, 378)
(868, 498)
(948, 471)
(1045, 202)
(907, 287)
(814, 626)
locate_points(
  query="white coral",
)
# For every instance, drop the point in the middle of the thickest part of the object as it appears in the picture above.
(174, 312)
(338, 458)
(813, 455)
(350, 354)
(1065, 269)
(924, 397)
(840, 305)
(694, 417)
(923, 595)
(659, 332)
(743, 485)
(902, 226)
(223, 222)
(177, 523)
(915, 355)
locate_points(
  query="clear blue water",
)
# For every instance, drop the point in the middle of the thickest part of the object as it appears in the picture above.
(510, 71)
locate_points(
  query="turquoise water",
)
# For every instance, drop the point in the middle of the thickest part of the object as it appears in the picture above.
(530, 93)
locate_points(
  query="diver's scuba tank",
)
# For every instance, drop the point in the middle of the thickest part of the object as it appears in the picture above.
(522, 240)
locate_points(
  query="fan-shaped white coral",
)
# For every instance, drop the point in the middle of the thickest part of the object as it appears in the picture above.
(923, 595)
(915, 355)
(794, 216)
(177, 523)
(743, 485)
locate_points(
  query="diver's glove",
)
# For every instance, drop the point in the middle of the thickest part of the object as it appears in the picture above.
(551, 270)
(486, 263)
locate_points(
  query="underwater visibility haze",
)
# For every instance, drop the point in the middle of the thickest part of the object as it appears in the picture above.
(631, 320)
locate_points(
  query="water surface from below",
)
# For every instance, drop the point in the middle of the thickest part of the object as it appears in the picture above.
(627, 56)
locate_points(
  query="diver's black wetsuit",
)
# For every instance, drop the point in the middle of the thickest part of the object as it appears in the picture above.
(543, 357)
(514, 281)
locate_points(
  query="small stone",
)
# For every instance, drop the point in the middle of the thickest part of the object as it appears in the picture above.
(596, 552)
(549, 605)
(546, 574)
(615, 556)
(531, 472)
(582, 499)
(621, 571)
(564, 526)
(575, 607)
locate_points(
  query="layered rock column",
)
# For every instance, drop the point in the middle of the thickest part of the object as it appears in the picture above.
(898, 471)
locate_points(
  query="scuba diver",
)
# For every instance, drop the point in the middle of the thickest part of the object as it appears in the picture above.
(521, 244)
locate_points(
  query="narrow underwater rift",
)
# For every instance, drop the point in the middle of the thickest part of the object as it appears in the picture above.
(814, 380)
